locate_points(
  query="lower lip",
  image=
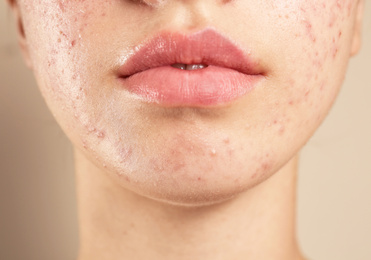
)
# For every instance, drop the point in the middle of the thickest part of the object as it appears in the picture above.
(210, 86)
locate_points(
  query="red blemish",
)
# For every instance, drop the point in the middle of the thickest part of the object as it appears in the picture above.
(100, 134)
(335, 51)
(265, 166)
(84, 145)
(309, 29)
(333, 20)
(340, 34)
(178, 166)
(62, 5)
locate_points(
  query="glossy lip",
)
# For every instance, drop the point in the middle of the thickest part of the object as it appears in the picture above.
(230, 72)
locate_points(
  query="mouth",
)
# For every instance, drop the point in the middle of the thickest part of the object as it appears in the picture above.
(198, 70)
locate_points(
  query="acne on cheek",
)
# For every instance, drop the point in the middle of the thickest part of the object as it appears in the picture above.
(66, 85)
(333, 15)
(322, 28)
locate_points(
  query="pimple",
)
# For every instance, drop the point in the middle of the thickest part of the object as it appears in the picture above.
(62, 6)
(226, 140)
(281, 130)
(84, 144)
(73, 43)
(100, 134)
(335, 51)
(265, 166)
(309, 30)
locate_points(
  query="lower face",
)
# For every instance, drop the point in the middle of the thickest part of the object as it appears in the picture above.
(191, 152)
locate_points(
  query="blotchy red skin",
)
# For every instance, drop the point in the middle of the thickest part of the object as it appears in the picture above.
(78, 47)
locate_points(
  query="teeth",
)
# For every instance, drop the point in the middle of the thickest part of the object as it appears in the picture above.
(195, 66)
(189, 66)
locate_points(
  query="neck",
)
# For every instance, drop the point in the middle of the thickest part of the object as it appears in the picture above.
(118, 224)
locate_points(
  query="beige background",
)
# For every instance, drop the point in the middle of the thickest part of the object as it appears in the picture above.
(37, 203)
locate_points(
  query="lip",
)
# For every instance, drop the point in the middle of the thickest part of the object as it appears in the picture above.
(230, 73)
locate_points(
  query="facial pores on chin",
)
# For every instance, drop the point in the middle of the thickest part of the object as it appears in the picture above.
(76, 47)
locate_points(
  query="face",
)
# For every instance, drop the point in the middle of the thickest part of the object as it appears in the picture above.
(184, 150)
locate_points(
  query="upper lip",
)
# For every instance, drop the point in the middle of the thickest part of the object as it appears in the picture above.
(204, 47)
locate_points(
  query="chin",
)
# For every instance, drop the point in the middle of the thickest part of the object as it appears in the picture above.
(195, 185)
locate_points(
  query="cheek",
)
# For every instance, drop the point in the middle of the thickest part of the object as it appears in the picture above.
(59, 43)
(316, 53)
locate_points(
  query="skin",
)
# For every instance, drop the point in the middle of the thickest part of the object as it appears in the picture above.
(188, 167)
